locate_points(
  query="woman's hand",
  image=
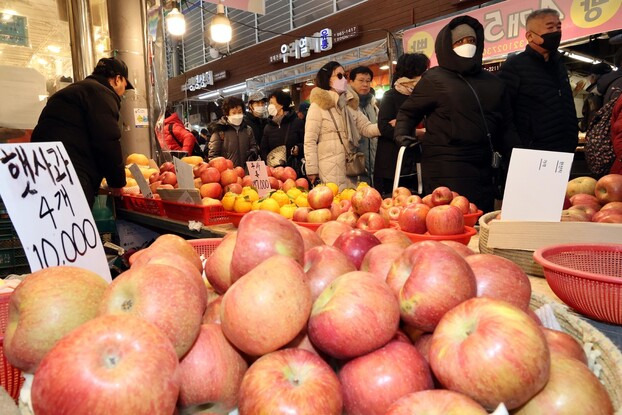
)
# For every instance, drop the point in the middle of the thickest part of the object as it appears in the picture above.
(392, 122)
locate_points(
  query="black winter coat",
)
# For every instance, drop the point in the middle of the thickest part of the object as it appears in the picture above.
(236, 144)
(542, 102)
(257, 124)
(291, 132)
(386, 153)
(84, 116)
(607, 82)
(455, 148)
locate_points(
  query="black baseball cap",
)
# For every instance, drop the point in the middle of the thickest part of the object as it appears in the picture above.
(112, 67)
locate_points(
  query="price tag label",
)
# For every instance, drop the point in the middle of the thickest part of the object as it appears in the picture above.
(536, 185)
(259, 174)
(45, 201)
(142, 183)
(185, 177)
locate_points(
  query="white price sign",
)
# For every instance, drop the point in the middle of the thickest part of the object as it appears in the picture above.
(259, 174)
(45, 201)
(185, 177)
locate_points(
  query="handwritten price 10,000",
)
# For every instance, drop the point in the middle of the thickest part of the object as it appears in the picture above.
(74, 244)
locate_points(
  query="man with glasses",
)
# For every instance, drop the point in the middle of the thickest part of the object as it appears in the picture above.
(539, 89)
(360, 86)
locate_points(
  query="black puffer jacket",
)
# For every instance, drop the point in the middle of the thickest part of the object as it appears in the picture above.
(455, 149)
(235, 143)
(542, 102)
(607, 82)
(257, 124)
(85, 117)
(291, 132)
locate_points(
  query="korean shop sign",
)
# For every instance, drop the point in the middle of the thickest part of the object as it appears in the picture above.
(321, 41)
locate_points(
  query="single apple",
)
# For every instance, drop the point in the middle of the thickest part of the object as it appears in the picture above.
(608, 216)
(581, 185)
(323, 264)
(349, 218)
(473, 208)
(155, 177)
(413, 218)
(301, 214)
(219, 162)
(613, 206)
(330, 231)
(366, 199)
(564, 344)
(590, 211)
(320, 197)
(401, 191)
(178, 245)
(309, 238)
(355, 244)
(427, 200)
(386, 203)
(210, 175)
(320, 216)
(394, 213)
(392, 236)
(461, 203)
(584, 199)
(461, 249)
(372, 222)
(228, 177)
(441, 196)
(167, 166)
(247, 181)
(609, 189)
(213, 190)
(413, 200)
(240, 171)
(445, 220)
(400, 200)
(168, 177)
(303, 183)
(378, 259)
(574, 215)
(289, 184)
(436, 402)
(233, 188)
(218, 264)
(288, 173)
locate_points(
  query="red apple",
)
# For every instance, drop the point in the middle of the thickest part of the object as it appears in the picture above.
(301, 214)
(580, 185)
(371, 383)
(155, 186)
(335, 210)
(461, 203)
(292, 381)
(218, 264)
(210, 175)
(609, 189)
(162, 295)
(269, 171)
(612, 205)
(47, 305)
(288, 173)
(461, 249)
(386, 203)
(319, 216)
(212, 312)
(436, 402)
(413, 200)
(564, 344)
(264, 234)
(473, 208)
(277, 172)
(608, 216)
(422, 343)
(167, 166)
(309, 238)
(280, 184)
(403, 266)
(198, 169)
(355, 244)
(228, 177)
(213, 190)
(168, 177)
(233, 188)
(413, 218)
(265, 310)
(492, 352)
(240, 171)
(155, 177)
(349, 218)
(219, 162)
(229, 163)
(440, 280)
(112, 364)
(571, 389)
(427, 200)
(355, 314)
(574, 215)
(197, 183)
(346, 205)
(366, 199)
(372, 222)
(302, 182)
(247, 181)
(211, 354)
(323, 264)
(501, 279)
(330, 231)
(441, 196)
(394, 213)
(584, 199)
(379, 259)
(401, 191)
(178, 245)
(289, 184)
(445, 220)
(590, 211)
(392, 236)
(400, 200)
(320, 197)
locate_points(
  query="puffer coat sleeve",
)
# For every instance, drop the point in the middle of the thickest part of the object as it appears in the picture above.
(214, 146)
(313, 128)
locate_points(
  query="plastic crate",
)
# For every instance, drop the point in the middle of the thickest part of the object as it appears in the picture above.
(144, 205)
(587, 277)
(208, 215)
(205, 247)
(10, 378)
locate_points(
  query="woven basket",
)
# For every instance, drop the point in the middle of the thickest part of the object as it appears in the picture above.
(610, 358)
(522, 258)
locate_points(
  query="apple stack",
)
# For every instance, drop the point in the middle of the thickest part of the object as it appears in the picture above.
(589, 200)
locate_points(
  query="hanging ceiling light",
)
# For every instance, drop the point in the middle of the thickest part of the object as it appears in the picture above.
(175, 23)
(220, 28)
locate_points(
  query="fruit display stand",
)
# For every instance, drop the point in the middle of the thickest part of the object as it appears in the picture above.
(518, 240)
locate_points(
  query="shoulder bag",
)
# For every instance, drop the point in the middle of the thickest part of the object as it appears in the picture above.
(355, 161)
(277, 156)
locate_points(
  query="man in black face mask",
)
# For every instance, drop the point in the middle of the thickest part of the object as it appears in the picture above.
(537, 81)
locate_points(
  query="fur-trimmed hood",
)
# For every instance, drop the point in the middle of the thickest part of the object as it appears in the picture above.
(328, 99)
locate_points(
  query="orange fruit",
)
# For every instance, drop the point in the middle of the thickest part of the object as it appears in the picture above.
(271, 205)
(333, 187)
(242, 204)
(228, 201)
(288, 210)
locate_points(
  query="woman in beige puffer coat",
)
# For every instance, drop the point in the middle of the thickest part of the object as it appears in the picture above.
(324, 152)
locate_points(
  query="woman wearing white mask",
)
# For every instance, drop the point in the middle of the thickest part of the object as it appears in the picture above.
(333, 124)
(232, 137)
(407, 73)
(467, 116)
(284, 128)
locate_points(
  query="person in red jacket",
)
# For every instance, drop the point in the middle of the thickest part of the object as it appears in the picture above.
(183, 139)
(616, 136)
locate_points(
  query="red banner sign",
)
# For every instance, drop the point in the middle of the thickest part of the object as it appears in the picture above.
(504, 24)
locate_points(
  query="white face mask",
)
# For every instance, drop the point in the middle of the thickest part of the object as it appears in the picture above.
(235, 119)
(466, 51)
(339, 85)
(259, 110)
(272, 111)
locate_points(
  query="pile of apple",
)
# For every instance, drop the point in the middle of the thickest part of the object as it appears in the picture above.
(294, 321)
(439, 213)
(589, 200)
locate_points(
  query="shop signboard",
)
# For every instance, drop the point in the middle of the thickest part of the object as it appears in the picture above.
(43, 196)
(504, 24)
(14, 30)
(199, 81)
(321, 41)
(253, 6)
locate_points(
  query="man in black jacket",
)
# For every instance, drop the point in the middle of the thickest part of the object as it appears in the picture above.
(84, 116)
(540, 93)
(456, 149)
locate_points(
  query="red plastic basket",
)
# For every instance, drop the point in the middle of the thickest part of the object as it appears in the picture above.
(10, 378)
(205, 247)
(309, 225)
(144, 205)
(463, 238)
(235, 218)
(470, 219)
(208, 215)
(587, 277)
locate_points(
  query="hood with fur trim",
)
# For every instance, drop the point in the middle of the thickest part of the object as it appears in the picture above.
(328, 99)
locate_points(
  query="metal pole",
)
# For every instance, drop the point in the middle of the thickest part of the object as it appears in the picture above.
(81, 38)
